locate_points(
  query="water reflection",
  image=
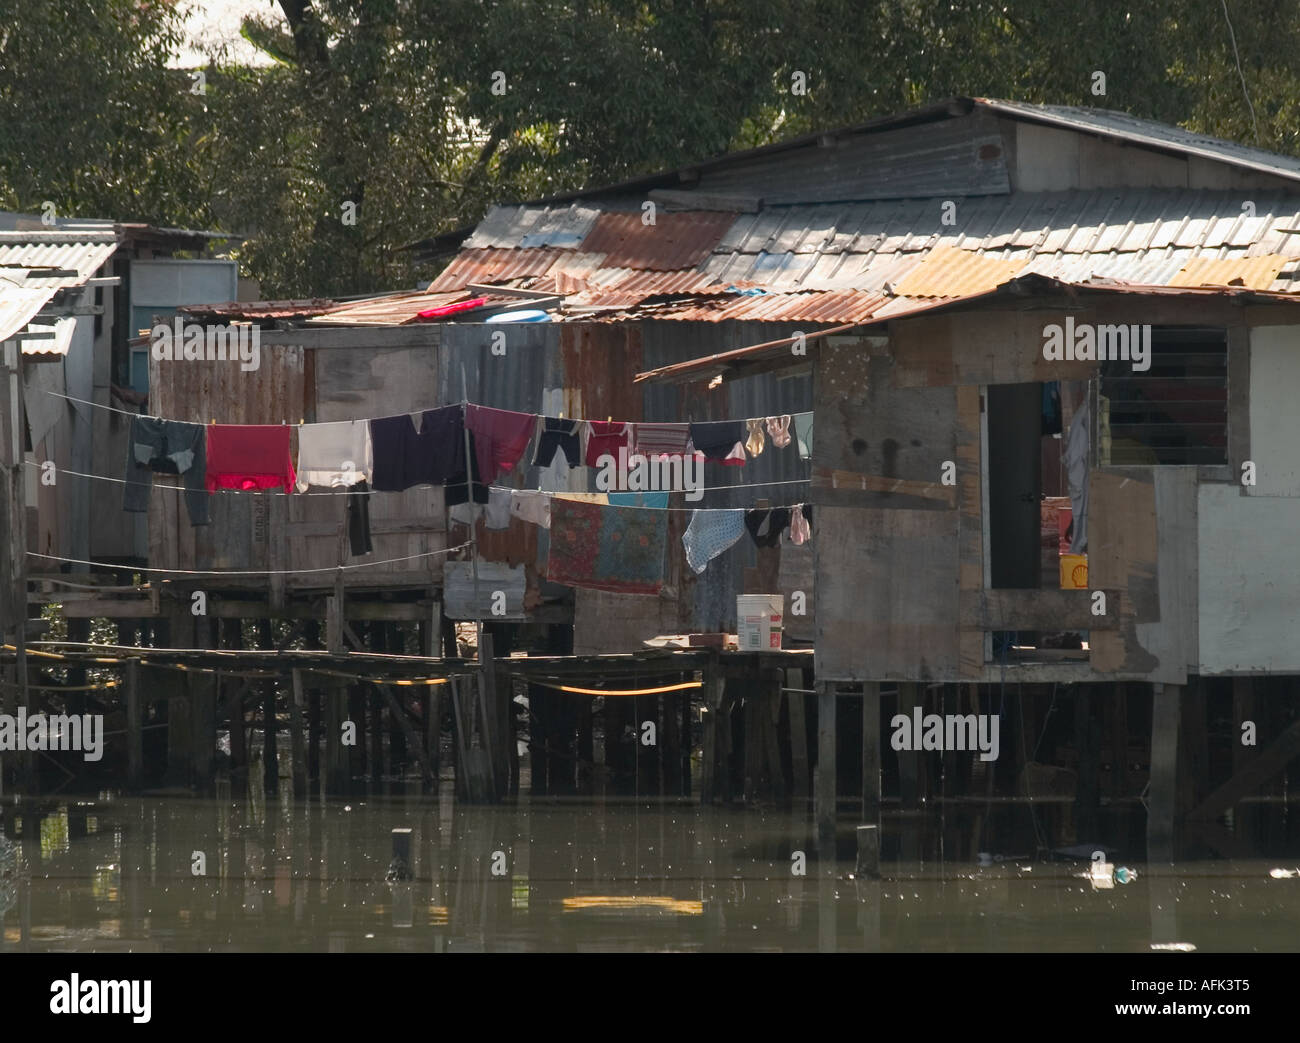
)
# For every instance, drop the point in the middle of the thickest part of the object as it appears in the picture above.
(116, 874)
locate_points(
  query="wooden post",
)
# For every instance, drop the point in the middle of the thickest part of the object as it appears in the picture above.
(238, 740)
(1088, 793)
(798, 735)
(908, 761)
(826, 764)
(134, 728)
(270, 759)
(337, 756)
(868, 850)
(493, 726)
(1119, 743)
(1245, 818)
(1166, 710)
(298, 737)
(433, 730)
(871, 754)
(203, 714)
(771, 717)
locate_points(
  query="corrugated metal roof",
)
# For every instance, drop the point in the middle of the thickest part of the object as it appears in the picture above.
(833, 306)
(559, 227)
(250, 310)
(1137, 130)
(489, 264)
(674, 241)
(401, 308)
(950, 272)
(57, 344)
(18, 306)
(84, 253)
(1256, 273)
(903, 307)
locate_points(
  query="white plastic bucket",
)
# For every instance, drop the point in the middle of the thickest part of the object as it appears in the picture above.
(758, 621)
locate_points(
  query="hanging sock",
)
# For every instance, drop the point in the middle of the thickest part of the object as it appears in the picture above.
(779, 428)
(756, 442)
(709, 534)
(800, 532)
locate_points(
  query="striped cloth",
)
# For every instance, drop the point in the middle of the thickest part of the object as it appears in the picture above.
(660, 439)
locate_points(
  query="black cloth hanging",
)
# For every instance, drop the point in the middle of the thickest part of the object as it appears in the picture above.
(765, 526)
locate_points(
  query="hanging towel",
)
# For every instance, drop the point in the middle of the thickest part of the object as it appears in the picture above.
(500, 437)
(358, 513)
(334, 455)
(657, 500)
(765, 526)
(779, 429)
(607, 548)
(558, 436)
(605, 439)
(800, 532)
(465, 513)
(803, 433)
(655, 440)
(709, 534)
(531, 506)
(166, 447)
(756, 442)
(720, 440)
(249, 456)
(498, 509)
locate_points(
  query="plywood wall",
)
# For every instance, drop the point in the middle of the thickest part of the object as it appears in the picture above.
(1274, 418)
(1249, 578)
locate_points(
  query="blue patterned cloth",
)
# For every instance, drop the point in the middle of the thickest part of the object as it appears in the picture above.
(709, 534)
(656, 499)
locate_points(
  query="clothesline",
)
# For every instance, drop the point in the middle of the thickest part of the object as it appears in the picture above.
(417, 412)
(497, 488)
(246, 572)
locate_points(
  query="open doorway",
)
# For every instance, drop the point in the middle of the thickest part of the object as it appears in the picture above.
(1030, 508)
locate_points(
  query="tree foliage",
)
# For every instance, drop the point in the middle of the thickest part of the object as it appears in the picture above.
(422, 113)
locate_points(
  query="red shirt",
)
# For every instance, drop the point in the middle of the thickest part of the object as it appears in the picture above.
(249, 456)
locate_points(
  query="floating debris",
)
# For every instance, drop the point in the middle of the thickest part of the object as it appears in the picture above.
(1172, 947)
(1124, 875)
(1283, 874)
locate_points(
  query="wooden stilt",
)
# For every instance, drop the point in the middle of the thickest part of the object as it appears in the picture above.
(298, 737)
(134, 728)
(1162, 798)
(871, 753)
(826, 764)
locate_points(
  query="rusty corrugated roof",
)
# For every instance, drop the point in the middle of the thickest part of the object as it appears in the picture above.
(252, 310)
(489, 264)
(1255, 273)
(950, 272)
(674, 241)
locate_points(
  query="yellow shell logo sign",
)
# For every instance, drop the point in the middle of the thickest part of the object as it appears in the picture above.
(1079, 577)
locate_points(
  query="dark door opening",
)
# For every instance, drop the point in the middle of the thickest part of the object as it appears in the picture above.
(1015, 485)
